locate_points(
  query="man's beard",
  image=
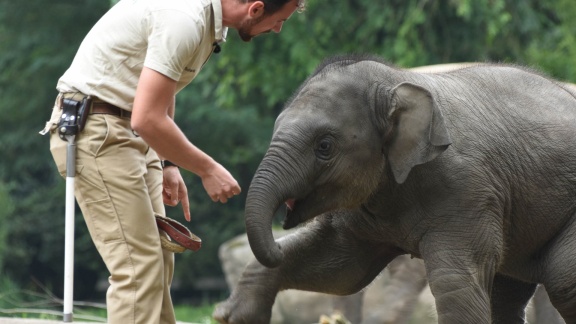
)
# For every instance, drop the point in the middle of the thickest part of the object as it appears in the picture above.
(245, 30)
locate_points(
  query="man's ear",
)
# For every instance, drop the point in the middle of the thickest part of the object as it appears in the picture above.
(256, 9)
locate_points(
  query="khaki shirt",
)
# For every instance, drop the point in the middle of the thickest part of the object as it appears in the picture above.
(173, 37)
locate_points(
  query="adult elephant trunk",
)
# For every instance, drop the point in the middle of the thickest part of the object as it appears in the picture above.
(274, 183)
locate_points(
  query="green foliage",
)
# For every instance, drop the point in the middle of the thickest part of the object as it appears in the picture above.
(229, 110)
(37, 41)
(555, 51)
(6, 210)
(407, 33)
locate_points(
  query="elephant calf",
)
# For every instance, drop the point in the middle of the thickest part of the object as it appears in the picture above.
(472, 170)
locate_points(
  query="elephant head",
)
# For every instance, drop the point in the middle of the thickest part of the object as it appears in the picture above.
(350, 127)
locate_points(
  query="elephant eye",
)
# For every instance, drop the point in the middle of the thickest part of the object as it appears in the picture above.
(324, 148)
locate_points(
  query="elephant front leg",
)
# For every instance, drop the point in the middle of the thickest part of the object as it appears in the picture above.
(460, 296)
(252, 299)
(322, 257)
(461, 284)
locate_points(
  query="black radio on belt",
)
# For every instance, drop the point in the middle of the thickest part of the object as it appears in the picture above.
(73, 118)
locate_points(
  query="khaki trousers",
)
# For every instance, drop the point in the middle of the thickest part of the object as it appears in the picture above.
(118, 186)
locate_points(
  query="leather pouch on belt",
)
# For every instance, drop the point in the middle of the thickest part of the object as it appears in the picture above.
(180, 236)
(74, 114)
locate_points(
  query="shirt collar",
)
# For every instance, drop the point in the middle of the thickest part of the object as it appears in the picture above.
(219, 31)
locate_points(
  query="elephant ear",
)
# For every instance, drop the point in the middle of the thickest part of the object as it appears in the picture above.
(419, 133)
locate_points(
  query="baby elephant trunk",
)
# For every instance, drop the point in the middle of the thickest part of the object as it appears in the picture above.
(261, 204)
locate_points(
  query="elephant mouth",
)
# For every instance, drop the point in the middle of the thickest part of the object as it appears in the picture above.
(290, 203)
(291, 219)
(301, 210)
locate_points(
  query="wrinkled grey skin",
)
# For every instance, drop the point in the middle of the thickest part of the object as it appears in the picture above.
(474, 171)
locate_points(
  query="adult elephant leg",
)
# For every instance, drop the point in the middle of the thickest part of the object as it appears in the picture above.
(509, 299)
(350, 306)
(323, 257)
(400, 294)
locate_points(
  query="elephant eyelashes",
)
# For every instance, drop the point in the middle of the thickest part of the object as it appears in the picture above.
(324, 149)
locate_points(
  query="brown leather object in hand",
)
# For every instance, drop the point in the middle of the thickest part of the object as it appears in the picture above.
(180, 236)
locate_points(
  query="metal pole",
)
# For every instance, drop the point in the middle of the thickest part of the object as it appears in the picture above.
(69, 229)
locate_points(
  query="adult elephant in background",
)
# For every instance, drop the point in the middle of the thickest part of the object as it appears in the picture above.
(473, 170)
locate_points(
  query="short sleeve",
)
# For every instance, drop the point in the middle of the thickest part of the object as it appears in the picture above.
(173, 40)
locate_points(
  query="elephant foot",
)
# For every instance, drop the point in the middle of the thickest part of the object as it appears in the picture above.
(242, 311)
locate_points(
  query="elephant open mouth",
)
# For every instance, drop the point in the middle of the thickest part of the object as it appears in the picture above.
(301, 210)
(292, 218)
